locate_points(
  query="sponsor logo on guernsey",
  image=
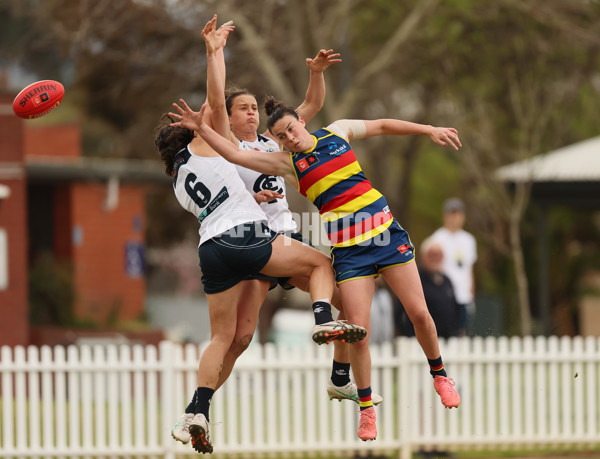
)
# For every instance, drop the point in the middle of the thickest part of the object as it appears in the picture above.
(404, 248)
(305, 163)
(336, 149)
(302, 165)
(219, 199)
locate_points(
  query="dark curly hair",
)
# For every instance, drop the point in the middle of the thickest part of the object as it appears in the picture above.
(276, 110)
(170, 140)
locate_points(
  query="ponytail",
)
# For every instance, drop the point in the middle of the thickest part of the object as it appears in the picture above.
(276, 110)
(170, 140)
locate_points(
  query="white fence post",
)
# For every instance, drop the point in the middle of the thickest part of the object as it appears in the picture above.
(590, 376)
(404, 408)
(166, 396)
(33, 390)
(541, 383)
(139, 395)
(7, 394)
(60, 400)
(125, 388)
(20, 398)
(75, 421)
(87, 397)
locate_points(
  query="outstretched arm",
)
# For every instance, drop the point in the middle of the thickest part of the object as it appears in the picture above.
(358, 129)
(220, 54)
(272, 163)
(215, 40)
(315, 94)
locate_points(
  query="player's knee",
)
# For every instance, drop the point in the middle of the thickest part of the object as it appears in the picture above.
(312, 258)
(225, 339)
(322, 260)
(241, 344)
(362, 344)
(421, 319)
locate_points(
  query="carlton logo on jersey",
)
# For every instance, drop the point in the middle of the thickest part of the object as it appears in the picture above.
(267, 182)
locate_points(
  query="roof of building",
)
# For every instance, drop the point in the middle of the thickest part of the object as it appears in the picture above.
(44, 168)
(579, 162)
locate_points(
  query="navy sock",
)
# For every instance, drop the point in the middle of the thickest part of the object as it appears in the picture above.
(436, 367)
(340, 373)
(364, 397)
(322, 311)
(203, 398)
(191, 408)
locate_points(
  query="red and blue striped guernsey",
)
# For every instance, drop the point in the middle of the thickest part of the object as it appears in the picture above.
(329, 175)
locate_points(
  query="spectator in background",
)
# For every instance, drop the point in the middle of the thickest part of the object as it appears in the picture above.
(438, 291)
(382, 314)
(460, 254)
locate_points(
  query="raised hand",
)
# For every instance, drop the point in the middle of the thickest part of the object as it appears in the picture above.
(322, 60)
(216, 38)
(445, 136)
(187, 117)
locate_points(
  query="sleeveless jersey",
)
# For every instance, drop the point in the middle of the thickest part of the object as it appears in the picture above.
(329, 175)
(210, 188)
(277, 211)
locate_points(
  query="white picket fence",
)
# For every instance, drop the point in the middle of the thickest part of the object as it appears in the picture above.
(123, 400)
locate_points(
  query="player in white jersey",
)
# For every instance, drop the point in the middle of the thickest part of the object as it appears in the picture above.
(277, 209)
(219, 201)
(234, 244)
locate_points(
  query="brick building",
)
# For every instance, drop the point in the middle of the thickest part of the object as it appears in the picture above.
(14, 327)
(88, 212)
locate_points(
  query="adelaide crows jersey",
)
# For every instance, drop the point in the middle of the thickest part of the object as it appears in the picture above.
(277, 210)
(329, 175)
(211, 189)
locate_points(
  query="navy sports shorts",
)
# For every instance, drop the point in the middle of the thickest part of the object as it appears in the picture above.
(283, 281)
(391, 248)
(231, 257)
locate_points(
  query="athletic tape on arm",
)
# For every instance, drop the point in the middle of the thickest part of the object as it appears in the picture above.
(358, 128)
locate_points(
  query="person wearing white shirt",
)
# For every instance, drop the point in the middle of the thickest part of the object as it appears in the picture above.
(460, 254)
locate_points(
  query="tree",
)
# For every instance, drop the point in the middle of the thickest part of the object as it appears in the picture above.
(510, 98)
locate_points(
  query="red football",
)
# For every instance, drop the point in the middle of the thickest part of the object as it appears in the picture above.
(38, 99)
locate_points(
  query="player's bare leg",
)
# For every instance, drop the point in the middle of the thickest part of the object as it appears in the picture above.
(310, 263)
(222, 310)
(252, 296)
(357, 296)
(404, 280)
